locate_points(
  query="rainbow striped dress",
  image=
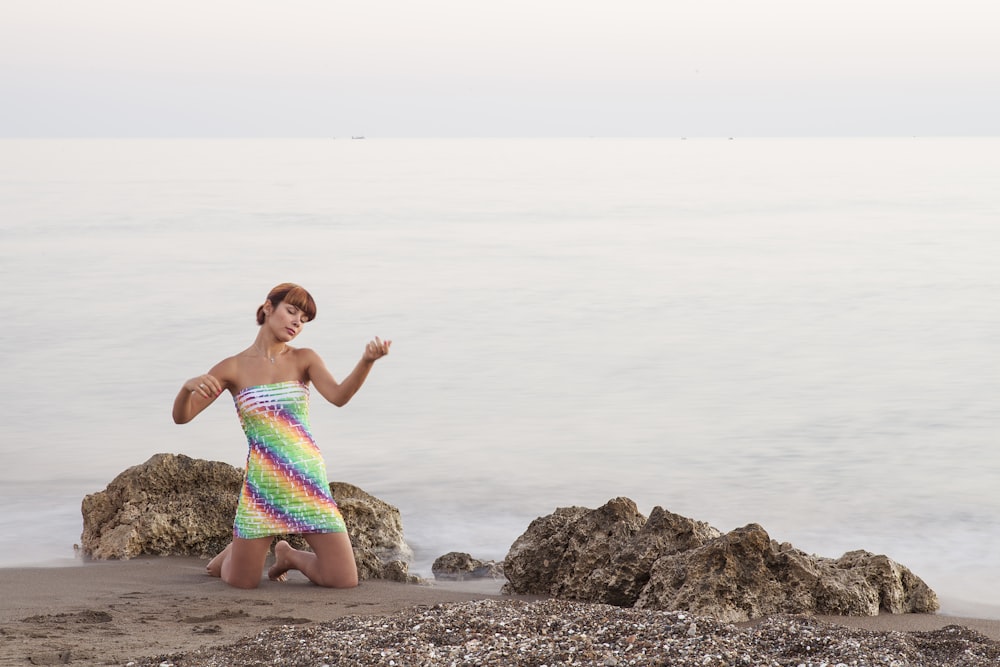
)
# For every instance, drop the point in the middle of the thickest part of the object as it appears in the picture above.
(285, 489)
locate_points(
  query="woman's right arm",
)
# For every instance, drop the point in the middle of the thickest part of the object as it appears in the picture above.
(198, 393)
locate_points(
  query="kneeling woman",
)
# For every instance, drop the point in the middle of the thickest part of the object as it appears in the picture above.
(285, 489)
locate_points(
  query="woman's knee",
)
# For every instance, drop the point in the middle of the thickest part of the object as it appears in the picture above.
(244, 566)
(345, 579)
(241, 580)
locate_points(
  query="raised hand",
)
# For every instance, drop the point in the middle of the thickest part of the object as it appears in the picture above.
(377, 349)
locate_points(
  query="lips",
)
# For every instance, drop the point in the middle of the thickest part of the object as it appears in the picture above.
(291, 332)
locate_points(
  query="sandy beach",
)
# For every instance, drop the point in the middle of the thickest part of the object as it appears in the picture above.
(143, 610)
(108, 612)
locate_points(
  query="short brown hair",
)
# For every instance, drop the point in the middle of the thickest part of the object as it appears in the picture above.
(292, 294)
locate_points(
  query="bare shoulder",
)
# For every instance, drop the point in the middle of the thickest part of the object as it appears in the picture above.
(306, 357)
(228, 364)
(310, 364)
(227, 371)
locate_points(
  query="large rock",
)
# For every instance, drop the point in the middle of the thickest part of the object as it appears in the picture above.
(169, 505)
(616, 556)
(173, 505)
(603, 555)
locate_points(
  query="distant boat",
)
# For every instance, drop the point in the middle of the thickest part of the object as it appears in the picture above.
(357, 137)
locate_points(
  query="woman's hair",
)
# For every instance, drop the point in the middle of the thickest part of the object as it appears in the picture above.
(291, 294)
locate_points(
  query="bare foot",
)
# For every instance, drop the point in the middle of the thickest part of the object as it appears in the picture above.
(282, 564)
(214, 567)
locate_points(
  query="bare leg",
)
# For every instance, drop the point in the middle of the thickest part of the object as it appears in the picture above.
(241, 563)
(331, 564)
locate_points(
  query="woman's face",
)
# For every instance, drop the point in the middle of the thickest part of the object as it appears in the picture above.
(286, 321)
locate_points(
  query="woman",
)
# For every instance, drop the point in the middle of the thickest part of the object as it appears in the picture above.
(285, 489)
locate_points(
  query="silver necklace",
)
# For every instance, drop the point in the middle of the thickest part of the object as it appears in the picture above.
(269, 357)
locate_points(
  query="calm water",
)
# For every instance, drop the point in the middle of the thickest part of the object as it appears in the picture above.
(798, 333)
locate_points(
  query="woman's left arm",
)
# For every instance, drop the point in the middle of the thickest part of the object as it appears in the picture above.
(339, 393)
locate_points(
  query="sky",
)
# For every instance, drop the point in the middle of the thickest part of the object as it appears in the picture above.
(518, 68)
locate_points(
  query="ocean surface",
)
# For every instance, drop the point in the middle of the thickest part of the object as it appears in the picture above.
(801, 333)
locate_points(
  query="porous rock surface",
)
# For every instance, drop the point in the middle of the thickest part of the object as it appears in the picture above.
(169, 505)
(459, 566)
(175, 505)
(615, 555)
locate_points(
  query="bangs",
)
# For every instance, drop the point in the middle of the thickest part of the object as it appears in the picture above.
(293, 295)
(301, 299)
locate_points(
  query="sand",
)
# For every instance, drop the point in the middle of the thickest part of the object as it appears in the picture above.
(111, 613)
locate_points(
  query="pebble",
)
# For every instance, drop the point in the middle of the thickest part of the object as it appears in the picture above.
(559, 633)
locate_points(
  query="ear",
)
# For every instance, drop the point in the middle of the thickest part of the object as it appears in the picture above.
(268, 308)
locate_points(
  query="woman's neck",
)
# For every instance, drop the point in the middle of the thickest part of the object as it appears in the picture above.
(269, 349)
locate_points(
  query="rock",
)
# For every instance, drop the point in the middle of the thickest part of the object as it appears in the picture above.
(173, 505)
(395, 570)
(603, 555)
(668, 562)
(168, 506)
(376, 528)
(744, 574)
(662, 534)
(728, 579)
(458, 566)
(569, 553)
(533, 563)
(372, 523)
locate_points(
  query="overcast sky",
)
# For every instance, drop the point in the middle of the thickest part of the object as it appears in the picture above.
(438, 68)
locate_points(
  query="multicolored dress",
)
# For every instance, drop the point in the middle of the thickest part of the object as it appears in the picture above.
(285, 489)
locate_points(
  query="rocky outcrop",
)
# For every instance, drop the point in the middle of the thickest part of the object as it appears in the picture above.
(169, 505)
(617, 556)
(174, 505)
(376, 530)
(459, 566)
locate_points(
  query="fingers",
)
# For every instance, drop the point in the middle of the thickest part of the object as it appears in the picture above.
(206, 386)
(378, 348)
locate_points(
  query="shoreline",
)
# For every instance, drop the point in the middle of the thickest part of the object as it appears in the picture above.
(951, 606)
(111, 612)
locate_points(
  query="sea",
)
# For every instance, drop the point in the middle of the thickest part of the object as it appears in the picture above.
(800, 333)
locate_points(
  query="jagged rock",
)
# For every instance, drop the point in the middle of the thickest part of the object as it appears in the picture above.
(169, 505)
(601, 555)
(616, 556)
(372, 523)
(375, 527)
(458, 566)
(569, 553)
(744, 574)
(396, 570)
(662, 534)
(174, 505)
